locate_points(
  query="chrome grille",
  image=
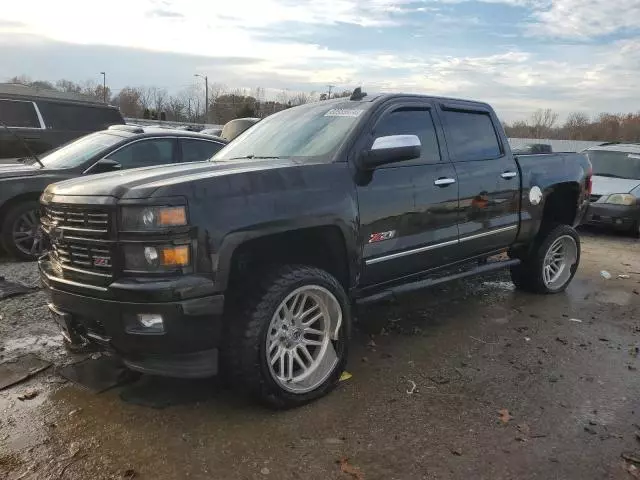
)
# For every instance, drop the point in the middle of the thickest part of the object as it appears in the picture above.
(75, 220)
(85, 257)
(79, 237)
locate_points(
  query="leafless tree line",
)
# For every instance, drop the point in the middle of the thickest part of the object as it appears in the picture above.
(610, 127)
(187, 105)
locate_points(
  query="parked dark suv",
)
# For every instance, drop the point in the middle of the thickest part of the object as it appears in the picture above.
(45, 119)
(117, 148)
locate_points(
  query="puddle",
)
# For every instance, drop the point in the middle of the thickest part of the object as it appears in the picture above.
(616, 297)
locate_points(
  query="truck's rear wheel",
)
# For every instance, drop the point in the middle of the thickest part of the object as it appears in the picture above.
(552, 264)
(289, 346)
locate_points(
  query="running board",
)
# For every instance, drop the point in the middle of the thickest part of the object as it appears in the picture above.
(392, 292)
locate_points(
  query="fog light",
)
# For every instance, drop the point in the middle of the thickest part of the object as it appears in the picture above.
(145, 323)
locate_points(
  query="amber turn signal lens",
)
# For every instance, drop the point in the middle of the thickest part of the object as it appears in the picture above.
(169, 216)
(174, 256)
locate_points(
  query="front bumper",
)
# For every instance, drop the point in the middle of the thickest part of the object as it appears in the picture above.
(620, 217)
(187, 348)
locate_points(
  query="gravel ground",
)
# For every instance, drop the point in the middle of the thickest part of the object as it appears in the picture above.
(25, 326)
(469, 380)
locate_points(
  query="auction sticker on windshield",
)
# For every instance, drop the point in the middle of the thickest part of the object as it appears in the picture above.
(343, 112)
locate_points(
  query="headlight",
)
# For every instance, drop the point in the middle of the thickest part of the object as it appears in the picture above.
(152, 218)
(621, 199)
(157, 258)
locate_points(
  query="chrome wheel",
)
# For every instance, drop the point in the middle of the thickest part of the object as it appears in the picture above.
(27, 235)
(299, 345)
(560, 257)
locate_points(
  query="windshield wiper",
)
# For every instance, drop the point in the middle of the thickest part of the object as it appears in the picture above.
(251, 157)
(33, 155)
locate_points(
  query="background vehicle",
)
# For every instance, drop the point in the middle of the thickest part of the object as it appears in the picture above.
(615, 200)
(533, 148)
(117, 148)
(257, 257)
(45, 119)
(215, 132)
(233, 128)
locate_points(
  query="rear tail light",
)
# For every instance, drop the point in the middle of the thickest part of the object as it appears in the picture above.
(588, 183)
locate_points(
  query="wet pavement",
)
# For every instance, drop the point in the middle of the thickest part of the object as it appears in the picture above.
(469, 380)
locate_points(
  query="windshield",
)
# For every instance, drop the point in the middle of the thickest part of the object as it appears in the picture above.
(79, 151)
(615, 164)
(314, 130)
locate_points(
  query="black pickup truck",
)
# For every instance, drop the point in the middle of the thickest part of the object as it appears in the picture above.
(252, 264)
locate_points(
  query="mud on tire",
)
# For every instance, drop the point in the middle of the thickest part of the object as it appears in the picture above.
(260, 328)
(546, 254)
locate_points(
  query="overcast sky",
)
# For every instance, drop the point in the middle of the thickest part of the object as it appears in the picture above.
(518, 55)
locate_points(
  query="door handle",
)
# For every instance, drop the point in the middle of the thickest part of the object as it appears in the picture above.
(508, 174)
(443, 182)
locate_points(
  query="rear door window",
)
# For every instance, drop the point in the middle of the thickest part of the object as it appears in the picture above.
(82, 118)
(470, 136)
(145, 153)
(19, 114)
(194, 150)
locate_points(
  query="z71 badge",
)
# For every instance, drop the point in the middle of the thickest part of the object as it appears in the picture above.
(381, 236)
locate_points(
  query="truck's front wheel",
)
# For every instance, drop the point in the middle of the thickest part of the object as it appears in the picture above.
(552, 263)
(289, 345)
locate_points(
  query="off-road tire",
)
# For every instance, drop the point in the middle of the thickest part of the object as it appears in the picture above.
(6, 232)
(244, 359)
(528, 276)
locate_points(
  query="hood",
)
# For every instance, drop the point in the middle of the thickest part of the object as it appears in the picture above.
(610, 185)
(142, 182)
(10, 170)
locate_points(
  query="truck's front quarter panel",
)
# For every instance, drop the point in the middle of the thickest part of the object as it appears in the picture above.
(233, 210)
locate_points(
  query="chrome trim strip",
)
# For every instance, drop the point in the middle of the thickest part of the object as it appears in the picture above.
(43, 126)
(486, 234)
(409, 252)
(393, 256)
(52, 280)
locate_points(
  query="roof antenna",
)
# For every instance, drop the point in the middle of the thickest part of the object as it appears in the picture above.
(357, 94)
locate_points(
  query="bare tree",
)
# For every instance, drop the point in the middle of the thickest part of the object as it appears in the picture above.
(146, 96)
(160, 97)
(542, 121)
(576, 125)
(68, 86)
(175, 109)
(128, 99)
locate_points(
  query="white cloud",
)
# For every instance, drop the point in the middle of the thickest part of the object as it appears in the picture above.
(583, 19)
(516, 79)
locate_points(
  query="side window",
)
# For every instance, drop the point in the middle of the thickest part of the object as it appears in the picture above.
(470, 136)
(15, 113)
(145, 153)
(198, 150)
(82, 118)
(412, 121)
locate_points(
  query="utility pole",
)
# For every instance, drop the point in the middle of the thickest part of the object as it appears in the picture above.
(104, 87)
(330, 87)
(206, 96)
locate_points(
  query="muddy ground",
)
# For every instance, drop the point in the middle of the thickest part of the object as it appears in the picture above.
(468, 381)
